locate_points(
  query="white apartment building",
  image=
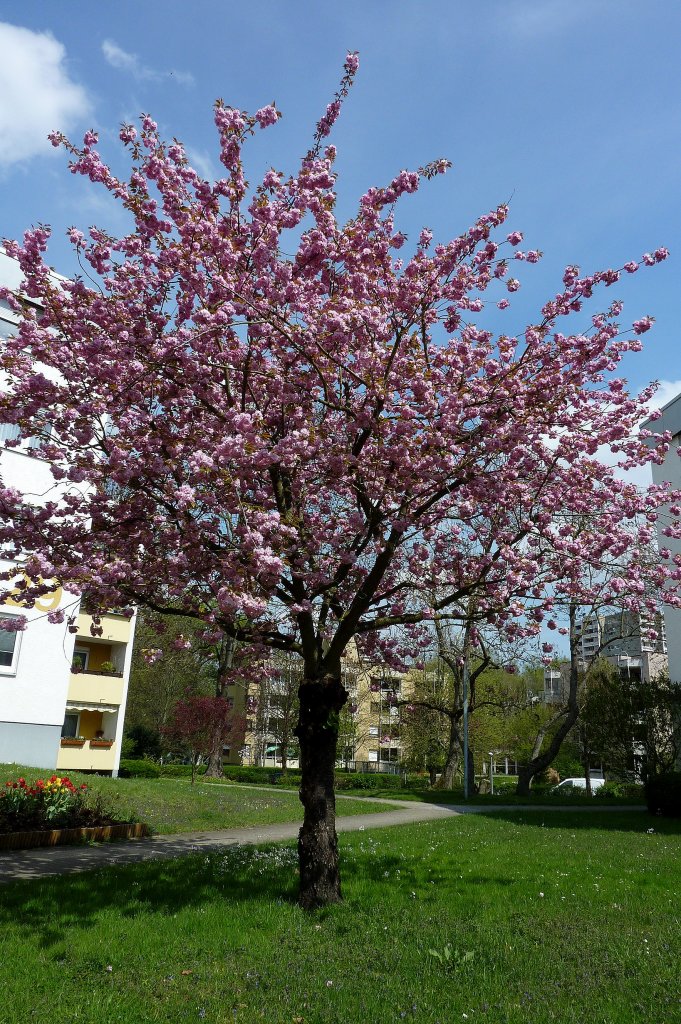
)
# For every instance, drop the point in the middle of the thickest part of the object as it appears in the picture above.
(624, 639)
(62, 695)
(670, 470)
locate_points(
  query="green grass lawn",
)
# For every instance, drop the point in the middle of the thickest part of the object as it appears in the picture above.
(173, 805)
(455, 796)
(517, 918)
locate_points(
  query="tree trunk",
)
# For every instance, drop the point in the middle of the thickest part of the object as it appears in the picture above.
(317, 732)
(569, 715)
(215, 769)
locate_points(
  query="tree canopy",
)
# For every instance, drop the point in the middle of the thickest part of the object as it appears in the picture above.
(298, 430)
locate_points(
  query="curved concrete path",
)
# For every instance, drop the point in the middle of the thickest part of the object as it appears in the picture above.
(16, 865)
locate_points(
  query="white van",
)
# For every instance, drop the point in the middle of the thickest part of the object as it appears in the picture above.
(571, 784)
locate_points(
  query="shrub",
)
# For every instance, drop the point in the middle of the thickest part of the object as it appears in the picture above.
(145, 742)
(663, 794)
(144, 769)
(549, 777)
(264, 776)
(626, 790)
(181, 771)
(417, 780)
(504, 788)
(368, 781)
(567, 765)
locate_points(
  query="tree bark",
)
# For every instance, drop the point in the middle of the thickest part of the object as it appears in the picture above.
(215, 769)
(569, 715)
(317, 732)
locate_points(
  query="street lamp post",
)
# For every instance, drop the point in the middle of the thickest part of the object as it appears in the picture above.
(491, 772)
(466, 780)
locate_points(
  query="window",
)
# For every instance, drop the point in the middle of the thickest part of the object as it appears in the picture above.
(9, 431)
(69, 729)
(9, 650)
(390, 685)
(7, 328)
(80, 659)
(373, 755)
(392, 754)
(373, 730)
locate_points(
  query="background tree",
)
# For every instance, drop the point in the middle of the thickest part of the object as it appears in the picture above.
(198, 724)
(156, 686)
(631, 724)
(280, 424)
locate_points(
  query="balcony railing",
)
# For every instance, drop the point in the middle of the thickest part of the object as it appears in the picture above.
(77, 670)
(78, 741)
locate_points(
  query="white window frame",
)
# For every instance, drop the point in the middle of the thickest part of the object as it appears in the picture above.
(11, 669)
(86, 652)
(71, 714)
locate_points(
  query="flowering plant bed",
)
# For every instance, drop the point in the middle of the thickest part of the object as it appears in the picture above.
(66, 836)
(47, 807)
(72, 741)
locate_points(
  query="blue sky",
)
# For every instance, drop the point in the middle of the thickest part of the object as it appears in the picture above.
(569, 108)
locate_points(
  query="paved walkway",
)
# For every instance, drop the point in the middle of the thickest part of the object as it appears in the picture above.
(16, 865)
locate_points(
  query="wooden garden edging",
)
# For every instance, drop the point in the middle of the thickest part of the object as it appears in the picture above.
(64, 836)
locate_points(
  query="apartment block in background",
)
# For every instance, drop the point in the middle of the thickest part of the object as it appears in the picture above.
(369, 734)
(626, 640)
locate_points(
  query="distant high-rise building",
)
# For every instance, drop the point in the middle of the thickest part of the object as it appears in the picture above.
(633, 641)
(670, 471)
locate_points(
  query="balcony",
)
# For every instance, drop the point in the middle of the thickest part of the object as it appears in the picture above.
(96, 687)
(86, 755)
(115, 628)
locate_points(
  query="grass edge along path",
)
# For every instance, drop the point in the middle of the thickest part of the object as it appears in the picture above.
(170, 806)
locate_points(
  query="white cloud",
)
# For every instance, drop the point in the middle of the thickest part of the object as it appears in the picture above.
(131, 64)
(667, 390)
(202, 162)
(642, 476)
(38, 96)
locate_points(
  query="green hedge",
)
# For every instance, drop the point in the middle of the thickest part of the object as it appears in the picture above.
(143, 769)
(265, 776)
(628, 790)
(344, 780)
(181, 771)
(368, 781)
